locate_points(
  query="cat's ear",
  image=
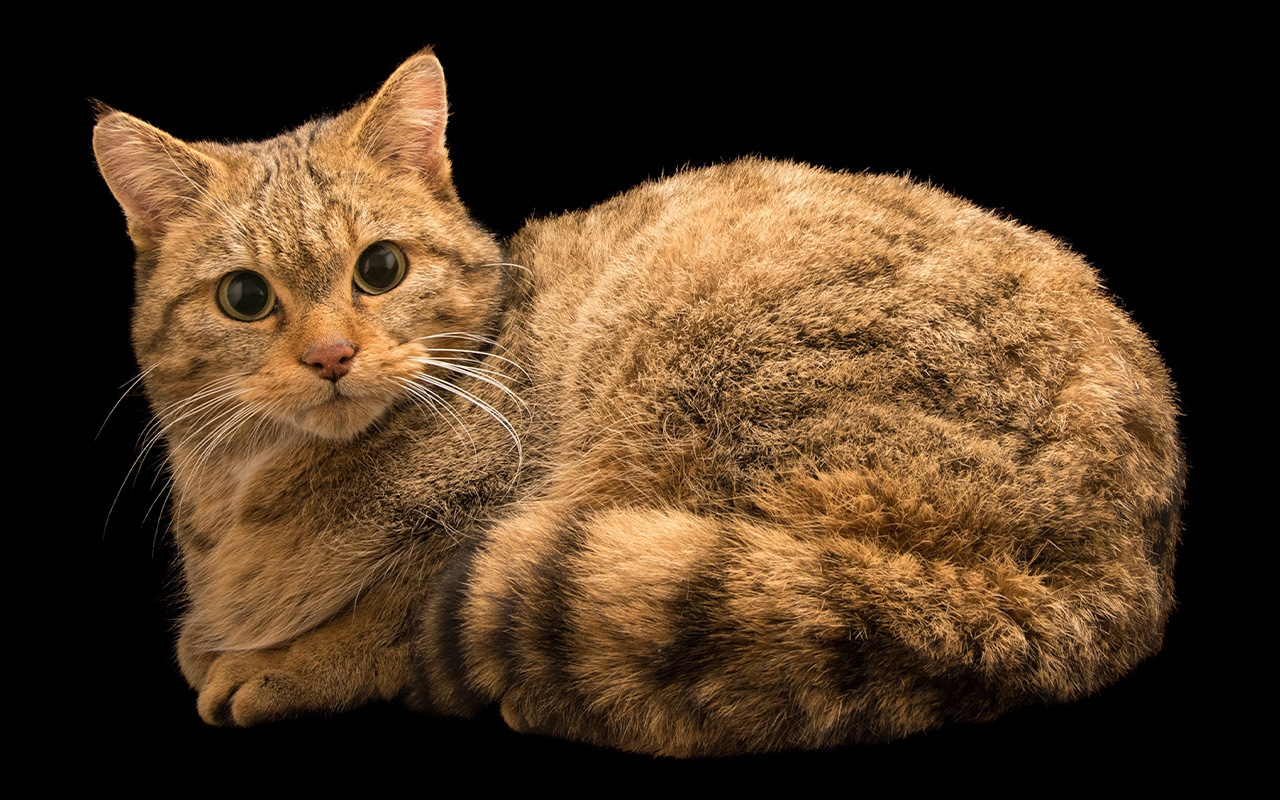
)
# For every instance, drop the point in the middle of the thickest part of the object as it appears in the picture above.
(152, 175)
(403, 125)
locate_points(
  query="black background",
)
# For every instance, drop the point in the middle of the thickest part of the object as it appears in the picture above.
(1107, 136)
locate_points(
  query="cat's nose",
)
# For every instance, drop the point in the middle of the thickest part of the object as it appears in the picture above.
(331, 361)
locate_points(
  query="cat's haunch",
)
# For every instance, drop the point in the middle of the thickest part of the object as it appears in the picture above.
(755, 457)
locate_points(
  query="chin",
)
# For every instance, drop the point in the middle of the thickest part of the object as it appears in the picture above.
(341, 419)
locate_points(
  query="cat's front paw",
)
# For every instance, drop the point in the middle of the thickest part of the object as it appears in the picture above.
(359, 657)
(250, 688)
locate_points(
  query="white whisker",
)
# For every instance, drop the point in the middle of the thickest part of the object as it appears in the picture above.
(160, 500)
(469, 364)
(127, 388)
(477, 374)
(504, 264)
(482, 354)
(435, 403)
(213, 404)
(460, 335)
(497, 415)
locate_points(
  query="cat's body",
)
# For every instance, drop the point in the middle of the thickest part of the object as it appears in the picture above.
(804, 458)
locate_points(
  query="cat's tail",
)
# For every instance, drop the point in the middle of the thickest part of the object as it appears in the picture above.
(666, 632)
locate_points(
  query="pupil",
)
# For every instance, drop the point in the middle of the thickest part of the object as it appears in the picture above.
(380, 267)
(247, 294)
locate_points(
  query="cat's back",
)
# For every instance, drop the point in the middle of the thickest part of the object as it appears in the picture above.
(785, 227)
(892, 289)
(783, 255)
(704, 339)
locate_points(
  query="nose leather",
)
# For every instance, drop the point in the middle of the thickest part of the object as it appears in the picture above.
(330, 361)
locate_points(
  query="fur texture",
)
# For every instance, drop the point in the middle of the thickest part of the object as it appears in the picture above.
(755, 457)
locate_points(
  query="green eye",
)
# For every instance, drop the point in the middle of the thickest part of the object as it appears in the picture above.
(246, 296)
(380, 268)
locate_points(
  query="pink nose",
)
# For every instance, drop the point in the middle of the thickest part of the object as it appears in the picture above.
(331, 361)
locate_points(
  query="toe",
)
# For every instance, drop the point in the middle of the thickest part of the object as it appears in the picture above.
(263, 698)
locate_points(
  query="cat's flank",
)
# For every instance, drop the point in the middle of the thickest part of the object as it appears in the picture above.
(755, 457)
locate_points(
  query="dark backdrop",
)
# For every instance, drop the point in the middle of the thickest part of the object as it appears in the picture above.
(1076, 132)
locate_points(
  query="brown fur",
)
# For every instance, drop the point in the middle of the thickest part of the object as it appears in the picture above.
(804, 458)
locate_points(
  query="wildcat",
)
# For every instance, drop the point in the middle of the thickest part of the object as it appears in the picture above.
(756, 457)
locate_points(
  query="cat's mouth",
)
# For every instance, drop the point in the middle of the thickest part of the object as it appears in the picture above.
(337, 410)
(342, 414)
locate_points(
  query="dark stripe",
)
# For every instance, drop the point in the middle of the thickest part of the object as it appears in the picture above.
(544, 649)
(704, 641)
(869, 657)
(852, 654)
(166, 317)
(703, 622)
(552, 586)
(502, 640)
(321, 182)
(262, 192)
(445, 647)
(143, 266)
(1167, 522)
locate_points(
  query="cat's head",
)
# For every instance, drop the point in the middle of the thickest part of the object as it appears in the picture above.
(302, 280)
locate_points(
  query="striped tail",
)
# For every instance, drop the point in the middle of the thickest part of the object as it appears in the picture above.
(664, 632)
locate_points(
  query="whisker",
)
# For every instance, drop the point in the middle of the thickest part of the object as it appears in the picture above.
(213, 419)
(208, 398)
(432, 401)
(230, 421)
(161, 499)
(125, 482)
(460, 335)
(504, 264)
(503, 359)
(473, 373)
(483, 406)
(169, 416)
(472, 364)
(127, 387)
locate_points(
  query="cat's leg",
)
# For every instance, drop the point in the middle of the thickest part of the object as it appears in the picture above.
(362, 655)
(670, 633)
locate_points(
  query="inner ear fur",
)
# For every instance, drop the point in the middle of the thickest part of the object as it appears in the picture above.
(153, 175)
(403, 125)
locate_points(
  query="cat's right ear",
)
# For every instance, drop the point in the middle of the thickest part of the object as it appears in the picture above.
(152, 175)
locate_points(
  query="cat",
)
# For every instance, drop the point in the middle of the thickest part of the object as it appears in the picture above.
(755, 457)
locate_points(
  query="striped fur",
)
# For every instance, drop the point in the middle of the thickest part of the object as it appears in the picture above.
(803, 458)
(829, 458)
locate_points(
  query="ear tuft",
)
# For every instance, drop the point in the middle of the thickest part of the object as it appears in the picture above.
(100, 109)
(404, 123)
(152, 175)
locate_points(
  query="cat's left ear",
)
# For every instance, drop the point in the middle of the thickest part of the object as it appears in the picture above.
(403, 125)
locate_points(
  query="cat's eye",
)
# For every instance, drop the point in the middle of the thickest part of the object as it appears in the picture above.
(246, 296)
(380, 268)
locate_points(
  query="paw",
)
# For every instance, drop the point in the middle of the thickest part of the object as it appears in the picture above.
(244, 689)
(270, 696)
(358, 657)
